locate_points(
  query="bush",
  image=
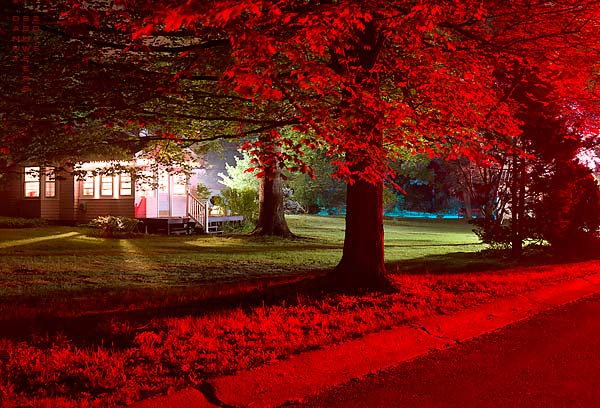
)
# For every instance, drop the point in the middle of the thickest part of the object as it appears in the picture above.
(238, 227)
(389, 199)
(112, 227)
(241, 202)
(203, 192)
(12, 222)
(492, 232)
(566, 209)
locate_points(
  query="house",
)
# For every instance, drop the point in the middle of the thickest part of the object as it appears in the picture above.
(162, 198)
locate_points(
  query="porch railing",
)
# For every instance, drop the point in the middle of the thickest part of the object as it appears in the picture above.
(198, 211)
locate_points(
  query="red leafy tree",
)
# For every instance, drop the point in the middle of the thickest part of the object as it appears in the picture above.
(363, 79)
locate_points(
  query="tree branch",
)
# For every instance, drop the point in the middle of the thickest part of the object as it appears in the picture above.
(208, 44)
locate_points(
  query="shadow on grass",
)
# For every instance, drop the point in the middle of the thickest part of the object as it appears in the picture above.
(246, 244)
(486, 260)
(451, 263)
(94, 328)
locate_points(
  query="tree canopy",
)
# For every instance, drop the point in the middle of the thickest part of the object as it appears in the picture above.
(432, 77)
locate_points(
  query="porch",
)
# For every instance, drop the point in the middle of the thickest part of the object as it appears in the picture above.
(197, 218)
(167, 225)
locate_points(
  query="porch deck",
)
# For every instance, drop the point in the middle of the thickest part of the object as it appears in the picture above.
(167, 225)
(216, 223)
(186, 225)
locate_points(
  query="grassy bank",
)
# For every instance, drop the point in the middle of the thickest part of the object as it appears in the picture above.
(117, 358)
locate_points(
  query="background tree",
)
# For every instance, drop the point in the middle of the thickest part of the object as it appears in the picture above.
(541, 184)
(321, 192)
(428, 185)
(350, 71)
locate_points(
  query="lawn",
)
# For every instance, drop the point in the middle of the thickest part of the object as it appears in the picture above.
(71, 338)
(57, 264)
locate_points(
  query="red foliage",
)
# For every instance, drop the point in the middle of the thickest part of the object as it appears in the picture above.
(420, 76)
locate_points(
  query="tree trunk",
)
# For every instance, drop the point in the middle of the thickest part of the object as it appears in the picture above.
(362, 264)
(517, 191)
(271, 216)
(467, 202)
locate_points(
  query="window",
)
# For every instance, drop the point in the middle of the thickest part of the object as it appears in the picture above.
(125, 185)
(50, 183)
(88, 185)
(106, 186)
(32, 182)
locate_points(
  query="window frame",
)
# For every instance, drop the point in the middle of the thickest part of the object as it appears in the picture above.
(28, 179)
(104, 177)
(179, 184)
(50, 179)
(127, 181)
(88, 178)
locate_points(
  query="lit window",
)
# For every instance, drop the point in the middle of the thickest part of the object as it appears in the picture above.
(106, 185)
(50, 183)
(125, 185)
(32, 182)
(88, 185)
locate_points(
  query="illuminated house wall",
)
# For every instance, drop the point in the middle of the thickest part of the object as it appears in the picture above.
(37, 192)
(58, 195)
(98, 194)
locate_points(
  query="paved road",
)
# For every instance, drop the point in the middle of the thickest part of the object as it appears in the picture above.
(549, 360)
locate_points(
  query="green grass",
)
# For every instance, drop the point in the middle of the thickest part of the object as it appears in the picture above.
(60, 271)
(54, 261)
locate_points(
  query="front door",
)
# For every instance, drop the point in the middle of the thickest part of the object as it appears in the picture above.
(164, 197)
(178, 195)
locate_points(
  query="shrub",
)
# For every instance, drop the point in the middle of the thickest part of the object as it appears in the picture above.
(12, 222)
(241, 202)
(203, 192)
(389, 199)
(569, 216)
(492, 232)
(110, 226)
(243, 227)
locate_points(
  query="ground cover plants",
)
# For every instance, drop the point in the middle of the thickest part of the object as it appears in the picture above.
(111, 226)
(12, 222)
(96, 322)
